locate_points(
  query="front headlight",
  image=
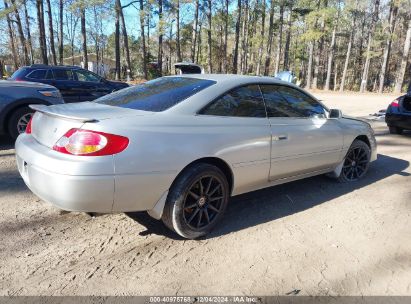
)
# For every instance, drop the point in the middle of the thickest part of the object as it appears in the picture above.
(51, 93)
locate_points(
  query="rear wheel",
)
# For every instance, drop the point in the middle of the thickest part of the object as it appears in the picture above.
(356, 162)
(395, 130)
(18, 121)
(196, 201)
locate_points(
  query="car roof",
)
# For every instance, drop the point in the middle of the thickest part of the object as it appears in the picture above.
(45, 66)
(231, 80)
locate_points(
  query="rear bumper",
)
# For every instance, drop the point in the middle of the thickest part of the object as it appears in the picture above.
(86, 184)
(56, 184)
(400, 120)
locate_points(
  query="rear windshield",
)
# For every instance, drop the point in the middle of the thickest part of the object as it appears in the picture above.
(18, 74)
(156, 95)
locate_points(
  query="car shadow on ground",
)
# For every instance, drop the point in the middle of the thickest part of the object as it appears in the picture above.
(258, 207)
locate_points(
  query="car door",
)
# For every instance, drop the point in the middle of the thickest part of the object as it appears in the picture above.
(91, 85)
(239, 124)
(63, 79)
(304, 140)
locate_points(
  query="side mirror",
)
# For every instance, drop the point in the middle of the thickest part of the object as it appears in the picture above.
(335, 113)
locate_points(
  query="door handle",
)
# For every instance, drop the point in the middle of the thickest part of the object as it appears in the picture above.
(280, 137)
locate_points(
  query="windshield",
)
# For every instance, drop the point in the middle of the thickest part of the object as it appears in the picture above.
(156, 95)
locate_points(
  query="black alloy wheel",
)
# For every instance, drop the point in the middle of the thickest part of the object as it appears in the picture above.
(356, 162)
(203, 202)
(196, 201)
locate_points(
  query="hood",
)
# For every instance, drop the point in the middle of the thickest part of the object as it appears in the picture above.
(25, 84)
(118, 84)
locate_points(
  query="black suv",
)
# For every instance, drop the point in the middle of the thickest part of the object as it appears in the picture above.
(75, 84)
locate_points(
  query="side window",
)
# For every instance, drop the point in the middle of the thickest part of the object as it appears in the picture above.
(302, 103)
(38, 74)
(240, 102)
(277, 105)
(63, 74)
(86, 76)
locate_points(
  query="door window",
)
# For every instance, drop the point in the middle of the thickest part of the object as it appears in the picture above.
(40, 74)
(86, 76)
(277, 105)
(63, 74)
(240, 102)
(301, 103)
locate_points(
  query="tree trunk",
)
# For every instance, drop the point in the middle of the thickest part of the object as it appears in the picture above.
(11, 38)
(404, 60)
(209, 47)
(387, 49)
(84, 36)
(288, 40)
(142, 20)
(117, 40)
(244, 38)
(237, 38)
(160, 38)
(42, 32)
(21, 33)
(179, 59)
(270, 40)
(280, 40)
(364, 80)
(225, 61)
(348, 55)
(194, 33)
(310, 64)
(260, 47)
(61, 36)
(330, 61)
(29, 40)
(125, 38)
(51, 32)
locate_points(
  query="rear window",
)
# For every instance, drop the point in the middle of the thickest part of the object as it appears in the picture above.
(156, 95)
(40, 74)
(20, 73)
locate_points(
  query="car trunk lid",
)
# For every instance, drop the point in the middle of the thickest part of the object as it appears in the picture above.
(50, 123)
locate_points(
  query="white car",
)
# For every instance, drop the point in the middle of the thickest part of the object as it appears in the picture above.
(179, 147)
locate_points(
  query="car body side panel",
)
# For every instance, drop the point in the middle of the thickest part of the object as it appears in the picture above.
(303, 145)
(243, 143)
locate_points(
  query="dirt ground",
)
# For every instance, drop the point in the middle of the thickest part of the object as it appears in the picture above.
(310, 237)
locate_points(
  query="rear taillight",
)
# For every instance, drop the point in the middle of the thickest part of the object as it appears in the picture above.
(395, 104)
(28, 128)
(90, 143)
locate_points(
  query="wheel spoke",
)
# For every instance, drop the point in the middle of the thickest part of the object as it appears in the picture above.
(195, 196)
(191, 206)
(206, 215)
(215, 198)
(193, 216)
(201, 187)
(200, 216)
(214, 190)
(209, 185)
(213, 208)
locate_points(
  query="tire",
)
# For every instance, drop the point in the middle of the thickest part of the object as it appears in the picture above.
(395, 130)
(196, 201)
(18, 121)
(356, 162)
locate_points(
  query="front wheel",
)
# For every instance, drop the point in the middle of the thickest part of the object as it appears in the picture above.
(196, 201)
(18, 121)
(356, 162)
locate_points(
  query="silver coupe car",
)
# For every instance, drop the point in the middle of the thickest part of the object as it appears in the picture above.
(180, 146)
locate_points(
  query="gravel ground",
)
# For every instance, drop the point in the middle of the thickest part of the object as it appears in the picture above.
(310, 237)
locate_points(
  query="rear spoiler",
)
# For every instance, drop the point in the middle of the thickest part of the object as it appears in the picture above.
(54, 112)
